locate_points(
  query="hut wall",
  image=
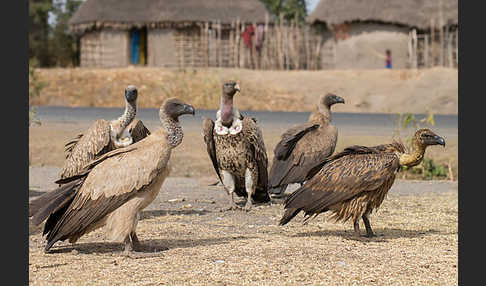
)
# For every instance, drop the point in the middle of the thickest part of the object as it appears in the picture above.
(161, 50)
(363, 46)
(105, 48)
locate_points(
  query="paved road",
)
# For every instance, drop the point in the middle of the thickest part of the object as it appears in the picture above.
(348, 123)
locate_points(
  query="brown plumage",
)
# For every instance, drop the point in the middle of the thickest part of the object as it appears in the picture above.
(355, 181)
(104, 136)
(111, 190)
(303, 147)
(237, 151)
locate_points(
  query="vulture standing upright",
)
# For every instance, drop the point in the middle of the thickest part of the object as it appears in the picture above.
(104, 136)
(355, 181)
(236, 148)
(111, 190)
(303, 147)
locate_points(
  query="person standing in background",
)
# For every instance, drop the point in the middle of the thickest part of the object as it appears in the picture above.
(388, 59)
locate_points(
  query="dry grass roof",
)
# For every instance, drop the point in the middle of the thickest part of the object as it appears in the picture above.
(124, 14)
(414, 13)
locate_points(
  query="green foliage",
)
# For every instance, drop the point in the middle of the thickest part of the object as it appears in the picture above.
(290, 9)
(39, 30)
(35, 88)
(428, 169)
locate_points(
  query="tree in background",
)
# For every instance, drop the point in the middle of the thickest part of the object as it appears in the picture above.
(65, 46)
(290, 9)
(39, 30)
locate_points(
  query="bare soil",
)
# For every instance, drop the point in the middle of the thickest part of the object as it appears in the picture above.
(422, 91)
(198, 244)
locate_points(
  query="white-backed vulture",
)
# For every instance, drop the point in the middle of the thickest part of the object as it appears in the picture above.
(111, 190)
(104, 136)
(237, 151)
(303, 147)
(355, 181)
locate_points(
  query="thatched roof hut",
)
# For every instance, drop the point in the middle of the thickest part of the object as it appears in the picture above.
(125, 14)
(165, 33)
(412, 13)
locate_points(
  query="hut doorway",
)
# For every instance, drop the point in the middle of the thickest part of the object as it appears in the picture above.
(138, 46)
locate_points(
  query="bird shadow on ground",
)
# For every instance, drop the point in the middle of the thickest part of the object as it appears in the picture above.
(382, 235)
(147, 246)
(34, 193)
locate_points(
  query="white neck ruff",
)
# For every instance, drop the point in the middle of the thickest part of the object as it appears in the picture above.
(235, 128)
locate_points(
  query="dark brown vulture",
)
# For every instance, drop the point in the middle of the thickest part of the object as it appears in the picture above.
(237, 151)
(355, 181)
(111, 190)
(104, 136)
(303, 147)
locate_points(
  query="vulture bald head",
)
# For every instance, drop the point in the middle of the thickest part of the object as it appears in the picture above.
(330, 99)
(426, 137)
(230, 88)
(421, 140)
(173, 108)
(131, 93)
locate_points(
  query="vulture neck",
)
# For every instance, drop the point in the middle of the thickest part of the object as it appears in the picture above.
(127, 117)
(173, 128)
(226, 108)
(415, 157)
(323, 115)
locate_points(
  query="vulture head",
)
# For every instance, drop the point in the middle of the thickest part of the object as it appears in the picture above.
(174, 107)
(330, 99)
(230, 88)
(426, 137)
(131, 93)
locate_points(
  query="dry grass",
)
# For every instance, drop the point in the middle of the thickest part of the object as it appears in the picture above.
(417, 245)
(391, 91)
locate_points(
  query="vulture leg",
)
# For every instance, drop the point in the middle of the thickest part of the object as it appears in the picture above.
(130, 252)
(135, 242)
(229, 185)
(250, 185)
(356, 227)
(366, 220)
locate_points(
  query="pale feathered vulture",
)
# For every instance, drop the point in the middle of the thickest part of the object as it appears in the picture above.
(237, 151)
(104, 136)
(355, 181)
(111, 190)
(303, 147)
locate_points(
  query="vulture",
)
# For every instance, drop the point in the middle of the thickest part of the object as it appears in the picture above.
(355, 181)
(104, 136)
(111, 190)
(304, 146)
(237, 151)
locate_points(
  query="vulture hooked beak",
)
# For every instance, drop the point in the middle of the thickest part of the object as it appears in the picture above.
(188, 109)
(131, 93)
(439, 140)
(237, 87)
(339, 99)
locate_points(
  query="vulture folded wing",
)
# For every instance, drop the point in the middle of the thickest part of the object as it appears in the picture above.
(86, 147)
(138, 130)
(288, 139)
(254, 137)
(208, 127)
(342, 179)
(304, 156)
(114, 179)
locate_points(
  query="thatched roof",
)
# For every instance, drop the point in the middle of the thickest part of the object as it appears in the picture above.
(123, 14)
(413, 13)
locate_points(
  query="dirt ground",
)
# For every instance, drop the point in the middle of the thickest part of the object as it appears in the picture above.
(198, 244)
(432, 90)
